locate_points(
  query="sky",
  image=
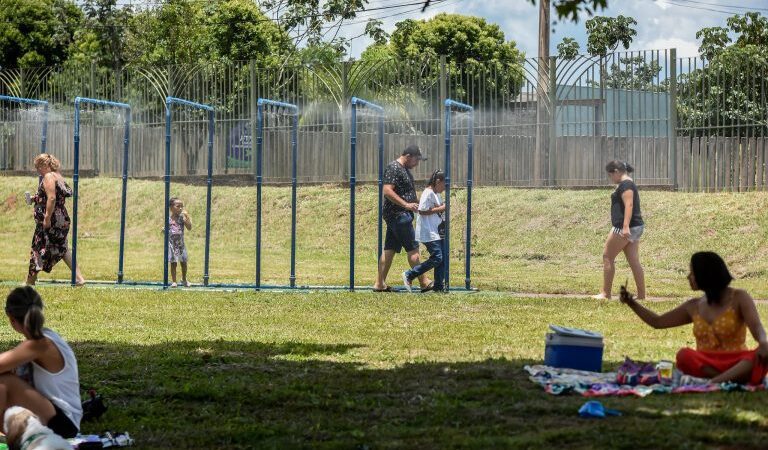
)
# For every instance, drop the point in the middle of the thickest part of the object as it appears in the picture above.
(661, 24)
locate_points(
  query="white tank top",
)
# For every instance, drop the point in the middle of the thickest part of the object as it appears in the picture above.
(63, 387)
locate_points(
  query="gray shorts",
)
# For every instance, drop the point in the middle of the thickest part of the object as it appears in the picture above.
(634, 232)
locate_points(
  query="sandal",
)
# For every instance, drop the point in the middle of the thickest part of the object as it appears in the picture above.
(429, 287)
(386, 289)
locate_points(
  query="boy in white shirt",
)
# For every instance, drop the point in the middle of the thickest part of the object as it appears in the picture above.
(430, 232)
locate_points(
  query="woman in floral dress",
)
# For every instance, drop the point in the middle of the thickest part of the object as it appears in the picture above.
(49, 243)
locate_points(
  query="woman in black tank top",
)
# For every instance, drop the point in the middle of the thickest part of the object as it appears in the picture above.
(627, 227)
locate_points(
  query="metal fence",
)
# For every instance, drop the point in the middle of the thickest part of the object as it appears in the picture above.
(681, 122)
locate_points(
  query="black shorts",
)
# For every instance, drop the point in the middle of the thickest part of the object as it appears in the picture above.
(61, 425)
(400, 233)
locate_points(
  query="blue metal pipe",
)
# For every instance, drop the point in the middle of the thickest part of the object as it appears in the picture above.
(169, 101)
(447, 253)
(259, 141)
(294, 174)
(209, 182)
(76, 178)
(294, 111)
(184, 102)
(470, 177)
(126, 145)
(167, 181)
(353, 181)
(449, 106)
(28, 101)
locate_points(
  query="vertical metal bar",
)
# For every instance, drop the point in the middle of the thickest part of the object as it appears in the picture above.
(167, 180)
(352, 182)
(447, 135)
(259, 129)
(126, 144)
(294, 169)
(381, 186)
(44, 139)
(209, 183)
(672, 132)
(380, 246)
(470, 168)
(552, 147)
(75, 181)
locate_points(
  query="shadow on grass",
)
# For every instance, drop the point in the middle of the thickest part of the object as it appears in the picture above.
(223, 394)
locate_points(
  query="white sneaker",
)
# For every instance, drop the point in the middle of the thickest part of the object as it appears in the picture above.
(186, 283)
(408, 283)
(173, 285)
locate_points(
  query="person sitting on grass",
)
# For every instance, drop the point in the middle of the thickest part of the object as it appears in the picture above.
(720, 320)
(46, 379)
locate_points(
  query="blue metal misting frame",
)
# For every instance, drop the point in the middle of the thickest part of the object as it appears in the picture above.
(358, 102)
(76, 179)
(451, 105)
(169, 101)
(292, 110)
(35, 102)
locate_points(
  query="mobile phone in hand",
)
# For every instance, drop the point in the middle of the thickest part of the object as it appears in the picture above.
(28, 197)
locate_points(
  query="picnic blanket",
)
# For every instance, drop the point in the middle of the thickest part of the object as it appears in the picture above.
(559, 381)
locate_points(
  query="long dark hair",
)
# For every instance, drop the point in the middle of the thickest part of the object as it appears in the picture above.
(26, 307)
(711, 275)
(619, 166)
(437, 175)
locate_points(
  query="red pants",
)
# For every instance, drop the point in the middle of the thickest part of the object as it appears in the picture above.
(691, 362)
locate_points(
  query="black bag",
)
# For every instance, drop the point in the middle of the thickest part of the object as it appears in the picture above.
(441, 229)
(94, 407)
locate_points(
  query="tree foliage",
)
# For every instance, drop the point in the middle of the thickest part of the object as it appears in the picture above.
(36, 32)
(728, 95)
(568, 49)
(604, 34)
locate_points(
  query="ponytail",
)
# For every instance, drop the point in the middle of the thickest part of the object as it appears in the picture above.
(437, 175)
(33, 322)
(619, 166)
(25, 306)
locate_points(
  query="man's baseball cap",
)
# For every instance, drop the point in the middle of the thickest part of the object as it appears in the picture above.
(413, 150)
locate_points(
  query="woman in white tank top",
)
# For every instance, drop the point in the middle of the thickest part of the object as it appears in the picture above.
(40, 373)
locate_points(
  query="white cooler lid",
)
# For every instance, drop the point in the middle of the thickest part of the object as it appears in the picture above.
(575, 332)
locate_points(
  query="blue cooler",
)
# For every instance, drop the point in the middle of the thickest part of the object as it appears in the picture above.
(574, 349)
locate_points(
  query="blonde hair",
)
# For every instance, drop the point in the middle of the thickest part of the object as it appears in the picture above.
(46, 159)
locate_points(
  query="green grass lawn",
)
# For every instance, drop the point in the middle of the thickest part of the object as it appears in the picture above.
(215, 369)
(340, 370)
(539, 241)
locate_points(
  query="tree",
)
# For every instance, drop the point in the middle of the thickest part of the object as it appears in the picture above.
(604, 34)
(565, 9)
(474, 49)
(568, 49)
(36, 32)
(106, 23)
(728, 94)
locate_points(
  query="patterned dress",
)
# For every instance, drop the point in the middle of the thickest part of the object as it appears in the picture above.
(49, 246)
(177, 251)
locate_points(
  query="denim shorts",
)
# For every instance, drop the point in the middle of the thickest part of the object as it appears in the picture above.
(634, 232)
(400, 233)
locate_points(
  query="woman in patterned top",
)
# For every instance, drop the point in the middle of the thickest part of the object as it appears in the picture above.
(49, 243)
(720, 320)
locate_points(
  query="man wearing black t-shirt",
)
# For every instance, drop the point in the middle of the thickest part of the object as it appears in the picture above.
(398, 211)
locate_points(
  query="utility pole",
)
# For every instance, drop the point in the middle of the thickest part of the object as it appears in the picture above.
(543, 97)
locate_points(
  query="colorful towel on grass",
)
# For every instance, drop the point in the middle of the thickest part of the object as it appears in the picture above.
(558, 381)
